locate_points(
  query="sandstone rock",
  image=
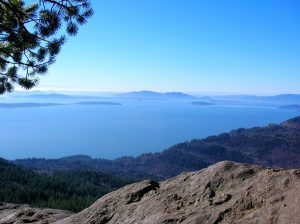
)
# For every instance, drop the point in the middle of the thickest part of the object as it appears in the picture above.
(226, 192)
(19, 214)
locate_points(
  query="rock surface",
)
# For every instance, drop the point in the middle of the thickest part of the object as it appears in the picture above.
(226, 192)
(19, 214)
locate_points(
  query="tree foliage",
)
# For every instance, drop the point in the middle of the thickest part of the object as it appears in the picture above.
(31, 37)
(73, 190)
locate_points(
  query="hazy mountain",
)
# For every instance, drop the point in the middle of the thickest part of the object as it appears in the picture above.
(155, 95)
(285, 97)
(59, 96)
(49, 96)
(25, 105)
(273, 145)
(277, 98)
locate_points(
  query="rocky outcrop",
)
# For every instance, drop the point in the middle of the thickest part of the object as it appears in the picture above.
(19, 214)
(226, 192)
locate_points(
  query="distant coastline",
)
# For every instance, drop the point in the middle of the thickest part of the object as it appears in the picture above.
(201, 103)
(99, 103)
(29, 104)
(25, 105)
(291, 107)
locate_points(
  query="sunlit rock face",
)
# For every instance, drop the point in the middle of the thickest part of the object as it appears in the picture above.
(226, 192)
(19, 214)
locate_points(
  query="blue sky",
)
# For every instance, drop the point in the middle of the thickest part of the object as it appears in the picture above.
(232, 46)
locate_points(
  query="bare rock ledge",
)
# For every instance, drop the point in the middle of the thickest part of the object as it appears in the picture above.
(19, 214)
(223, 193)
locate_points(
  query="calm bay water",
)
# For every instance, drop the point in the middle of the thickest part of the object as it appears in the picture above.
(133, 128)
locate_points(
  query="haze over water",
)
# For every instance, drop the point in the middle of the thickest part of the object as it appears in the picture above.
(132, 128)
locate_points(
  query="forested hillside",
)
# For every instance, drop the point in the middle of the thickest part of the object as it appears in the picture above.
(71, 191)
(276, 145)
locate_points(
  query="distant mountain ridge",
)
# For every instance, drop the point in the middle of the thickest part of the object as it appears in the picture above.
(280, 97)
(276, 145)
(155, 95)
(248, 100)
(60, 96)
(29, 104)
(50, 96)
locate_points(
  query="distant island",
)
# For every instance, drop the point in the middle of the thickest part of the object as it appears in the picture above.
(28, 105)
(99, 103)
(201, 103)
(58, 96)
(275, 98)
(291, 106)
(24, 105)
(50, 96)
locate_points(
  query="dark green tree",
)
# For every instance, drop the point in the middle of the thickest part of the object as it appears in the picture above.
(31, 37)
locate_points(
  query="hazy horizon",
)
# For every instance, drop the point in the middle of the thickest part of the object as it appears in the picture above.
(94, 91)
(62, 126)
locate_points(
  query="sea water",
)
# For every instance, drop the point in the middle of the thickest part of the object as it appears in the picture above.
(111, 131)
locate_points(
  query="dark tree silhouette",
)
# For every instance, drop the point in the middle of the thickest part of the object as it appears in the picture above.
(31, 37)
